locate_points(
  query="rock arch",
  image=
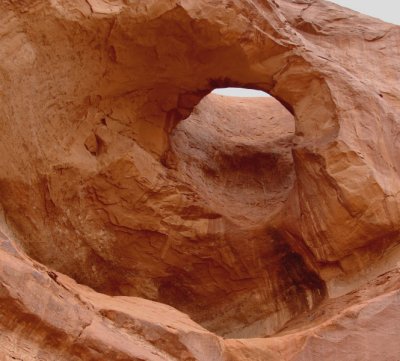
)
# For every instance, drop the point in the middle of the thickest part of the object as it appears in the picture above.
(92, 155)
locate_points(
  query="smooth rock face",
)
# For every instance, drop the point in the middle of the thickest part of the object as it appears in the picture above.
(255, 217)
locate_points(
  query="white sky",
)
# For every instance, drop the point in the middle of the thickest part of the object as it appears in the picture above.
(387, 10)
(240, 92)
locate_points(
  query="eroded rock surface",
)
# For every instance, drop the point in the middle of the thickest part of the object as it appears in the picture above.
(254, 217)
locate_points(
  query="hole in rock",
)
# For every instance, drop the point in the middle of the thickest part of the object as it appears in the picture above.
(206, 231)
(236, 149)
(244, 278)
(240, 92)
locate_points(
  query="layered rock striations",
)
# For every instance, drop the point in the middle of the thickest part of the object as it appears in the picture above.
(143, 218)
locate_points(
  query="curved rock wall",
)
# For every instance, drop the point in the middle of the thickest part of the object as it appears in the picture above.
(119, 170)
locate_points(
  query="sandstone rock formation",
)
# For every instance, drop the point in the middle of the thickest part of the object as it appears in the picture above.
(131, 200)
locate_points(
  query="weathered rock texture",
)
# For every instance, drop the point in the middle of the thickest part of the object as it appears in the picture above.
(266, 217)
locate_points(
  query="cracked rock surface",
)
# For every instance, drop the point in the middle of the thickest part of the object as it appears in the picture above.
(142, 218)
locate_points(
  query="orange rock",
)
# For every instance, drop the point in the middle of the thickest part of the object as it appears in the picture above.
(118, 170)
